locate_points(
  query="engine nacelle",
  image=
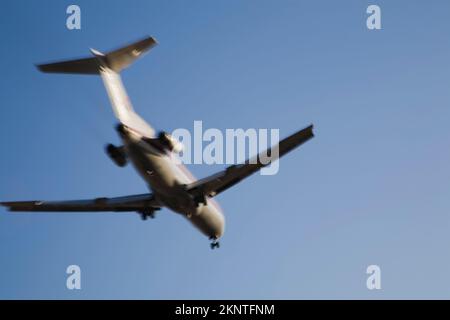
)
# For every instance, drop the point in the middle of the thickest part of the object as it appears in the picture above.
(170, 143)
(117, 155)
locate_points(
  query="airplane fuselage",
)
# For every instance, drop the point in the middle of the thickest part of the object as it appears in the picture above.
(167, 180)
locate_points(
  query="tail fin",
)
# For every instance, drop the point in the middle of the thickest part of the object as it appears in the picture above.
(108, 67)
(116, 60)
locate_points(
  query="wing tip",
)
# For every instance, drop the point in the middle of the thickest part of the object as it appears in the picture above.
(5, 204)
(311, 129)
(20, 205)
(151, 40)
(40, 67)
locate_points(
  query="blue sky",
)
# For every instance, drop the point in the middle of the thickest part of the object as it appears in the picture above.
(371, 188)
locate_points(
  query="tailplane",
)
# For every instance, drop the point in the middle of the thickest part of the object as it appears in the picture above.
(116, 60)
(108, 66)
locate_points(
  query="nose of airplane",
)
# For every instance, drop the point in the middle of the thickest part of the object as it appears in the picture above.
(220, 228)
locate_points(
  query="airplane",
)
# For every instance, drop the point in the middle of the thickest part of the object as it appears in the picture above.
(170, 183)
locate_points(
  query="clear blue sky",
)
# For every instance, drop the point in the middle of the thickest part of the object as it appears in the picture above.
(371, 188)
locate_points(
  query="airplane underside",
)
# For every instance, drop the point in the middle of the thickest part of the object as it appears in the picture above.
(168, 187)
(171, 185)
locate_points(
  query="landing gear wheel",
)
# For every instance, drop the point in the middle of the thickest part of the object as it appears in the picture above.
(214, 244)
(147, 213)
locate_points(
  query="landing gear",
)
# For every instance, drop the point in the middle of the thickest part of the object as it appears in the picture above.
(148, 212)
(117, 155)
(144, 216)
(200, 199)
(214, 244)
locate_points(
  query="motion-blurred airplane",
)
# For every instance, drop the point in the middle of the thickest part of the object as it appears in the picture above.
(171, 183)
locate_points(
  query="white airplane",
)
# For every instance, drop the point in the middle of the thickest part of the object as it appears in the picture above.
(171, 183)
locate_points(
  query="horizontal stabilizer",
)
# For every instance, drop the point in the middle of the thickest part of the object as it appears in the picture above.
(81, 66)
(108, 66)
(116, 60)
(120, 59)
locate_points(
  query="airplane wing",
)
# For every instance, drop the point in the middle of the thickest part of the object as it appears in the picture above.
(215, 184)
(120, 204)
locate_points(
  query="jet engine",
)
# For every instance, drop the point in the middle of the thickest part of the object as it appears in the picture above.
(169, 142)
(117, 155)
